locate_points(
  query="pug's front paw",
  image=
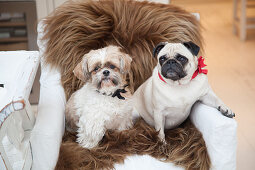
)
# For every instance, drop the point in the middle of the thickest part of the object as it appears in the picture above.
(162, 137)
(226, 111)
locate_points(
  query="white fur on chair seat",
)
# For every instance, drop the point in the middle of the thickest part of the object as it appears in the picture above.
(218, 131)
(147, 162)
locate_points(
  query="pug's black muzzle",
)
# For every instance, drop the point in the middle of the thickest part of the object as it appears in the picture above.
(173, 70)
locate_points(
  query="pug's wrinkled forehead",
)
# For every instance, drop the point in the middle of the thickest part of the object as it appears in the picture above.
(170, 50)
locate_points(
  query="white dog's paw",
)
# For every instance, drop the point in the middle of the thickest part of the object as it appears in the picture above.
(89, 144)
(226, 111)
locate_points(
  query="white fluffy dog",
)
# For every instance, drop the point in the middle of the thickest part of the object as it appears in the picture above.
(101, 103)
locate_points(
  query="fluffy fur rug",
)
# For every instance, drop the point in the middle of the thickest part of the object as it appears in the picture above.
(185, 148)
(79, 26)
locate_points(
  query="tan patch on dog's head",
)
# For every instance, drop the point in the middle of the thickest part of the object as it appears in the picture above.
(81, 70)
(109, 59)
(119, 59)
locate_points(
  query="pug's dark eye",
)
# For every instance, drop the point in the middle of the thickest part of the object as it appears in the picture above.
(162, 58)
(97, 67)
(181, 58)
(112, 66)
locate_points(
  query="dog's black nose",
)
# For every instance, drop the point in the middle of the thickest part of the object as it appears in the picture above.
(106, 73)
(171, 61)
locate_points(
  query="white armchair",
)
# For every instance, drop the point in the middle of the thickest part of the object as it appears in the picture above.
(49, 128)
(219, 132)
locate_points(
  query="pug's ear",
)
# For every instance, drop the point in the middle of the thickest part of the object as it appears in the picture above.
(158, 48)
(125, 63)
(192, 47)
(81, 70)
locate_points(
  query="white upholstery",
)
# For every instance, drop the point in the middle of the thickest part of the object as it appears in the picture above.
(47, 134)
(218, 131)
(140, 162)
(17, 73)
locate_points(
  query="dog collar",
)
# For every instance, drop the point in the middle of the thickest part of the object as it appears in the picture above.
(199, 70)
(161, 78)
(116, 93)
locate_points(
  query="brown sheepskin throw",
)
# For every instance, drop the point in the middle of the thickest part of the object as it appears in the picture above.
(185, 147)
(79, 26)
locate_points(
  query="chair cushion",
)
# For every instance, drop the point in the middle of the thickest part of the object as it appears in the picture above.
(219, 133)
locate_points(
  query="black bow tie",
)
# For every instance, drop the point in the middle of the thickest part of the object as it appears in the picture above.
(117, 93)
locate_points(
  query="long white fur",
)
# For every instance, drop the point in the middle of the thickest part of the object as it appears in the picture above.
(92, 108)
(97, 113)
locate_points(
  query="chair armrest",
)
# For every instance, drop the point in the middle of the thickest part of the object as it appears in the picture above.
(47, 134)
(17, 72)
(219, 133)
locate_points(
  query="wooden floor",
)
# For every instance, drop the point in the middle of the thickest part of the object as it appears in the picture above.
(231, 65)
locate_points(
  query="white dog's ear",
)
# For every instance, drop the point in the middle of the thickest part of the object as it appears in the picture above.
(81, 70)
(125, 63)
(158, 48)
(192, 47)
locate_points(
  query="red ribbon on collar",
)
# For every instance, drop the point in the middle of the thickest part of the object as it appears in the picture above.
(199, 70)
(161, 78)
(200, 65)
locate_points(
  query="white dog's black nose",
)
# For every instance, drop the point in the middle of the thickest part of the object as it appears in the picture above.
(106, 73)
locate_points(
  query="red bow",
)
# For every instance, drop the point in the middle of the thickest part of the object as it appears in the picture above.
(161, 78)
(200, 65)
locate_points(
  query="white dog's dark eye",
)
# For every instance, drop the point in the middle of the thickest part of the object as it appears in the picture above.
(112, 66)
(97, 67)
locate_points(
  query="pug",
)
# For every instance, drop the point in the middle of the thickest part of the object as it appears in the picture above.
(177, 82)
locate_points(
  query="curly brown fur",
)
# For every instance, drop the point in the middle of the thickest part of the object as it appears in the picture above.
(185, 148)
(79, 26)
